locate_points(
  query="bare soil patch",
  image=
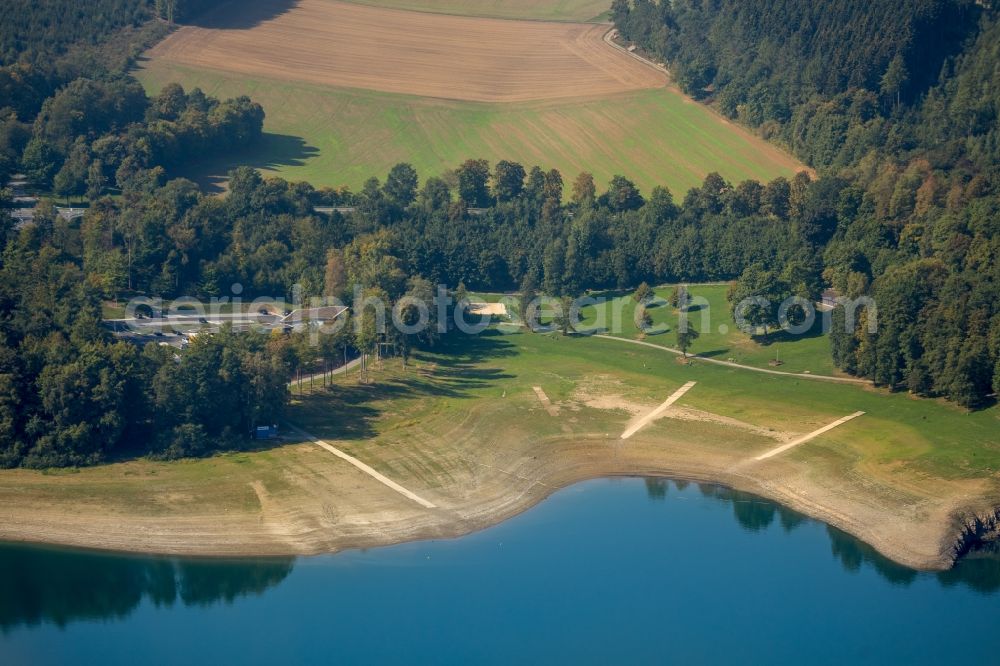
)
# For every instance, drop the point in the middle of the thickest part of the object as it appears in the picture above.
(698, 415)
(607, 392)
(491, 309)
(430, 55)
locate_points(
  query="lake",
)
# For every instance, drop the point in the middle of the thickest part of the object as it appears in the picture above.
(609, 571)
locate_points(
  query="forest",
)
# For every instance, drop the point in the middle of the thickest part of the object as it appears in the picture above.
(905, 209)
(77, 124)
(71, 117)
(897, 104)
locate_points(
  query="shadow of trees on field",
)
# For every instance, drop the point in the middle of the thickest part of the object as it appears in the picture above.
(782, 335)
(240, 14)
(610, 293)
(458, 366)
(273, 151)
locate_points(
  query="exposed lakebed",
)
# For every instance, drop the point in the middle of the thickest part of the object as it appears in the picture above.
(616, 570)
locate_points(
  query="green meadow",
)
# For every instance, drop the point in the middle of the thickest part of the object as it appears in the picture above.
(341, 137)
(718, 335)
(456, 414)
(486, 382)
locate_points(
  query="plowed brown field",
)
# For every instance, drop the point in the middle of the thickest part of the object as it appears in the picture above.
(430, 55)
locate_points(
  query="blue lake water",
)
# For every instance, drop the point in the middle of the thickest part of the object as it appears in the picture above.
(610, 571)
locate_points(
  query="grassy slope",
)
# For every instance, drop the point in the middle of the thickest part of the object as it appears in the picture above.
(932, 437)
(556, 10)
(422, 426)
(339, 137)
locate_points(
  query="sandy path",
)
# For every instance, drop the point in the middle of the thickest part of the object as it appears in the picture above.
(546, 403)
(678, 352)
(658, 412)
(609, 39)
(430, 55)
(802, 440)
(381, 478)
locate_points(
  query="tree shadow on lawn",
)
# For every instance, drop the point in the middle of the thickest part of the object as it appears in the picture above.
(461, 348)
(610, 293)
(348, 411)
(273, 151)
(241, 15)
(713, 353)
(782, 335)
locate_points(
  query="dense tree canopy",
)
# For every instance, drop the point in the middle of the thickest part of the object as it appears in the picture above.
(36, 30)
(898, 104)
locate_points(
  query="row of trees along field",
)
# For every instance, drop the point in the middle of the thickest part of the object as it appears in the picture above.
(39, 32)
(897, 103)
(74, 395)
(92, 135)
(172, 240)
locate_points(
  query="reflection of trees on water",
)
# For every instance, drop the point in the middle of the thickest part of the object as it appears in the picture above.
(752, 513)
(52, 586)
(204, 582)
(59, 587)
(980, 571)
(657, 488)
(853, 554)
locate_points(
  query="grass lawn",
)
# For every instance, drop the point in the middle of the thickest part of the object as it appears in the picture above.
(719, 336)
(334, 137)
(557, 10)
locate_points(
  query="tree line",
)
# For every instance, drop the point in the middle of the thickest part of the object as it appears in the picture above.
(96, 135)
(74, 395)
(71, 394)
(35, 32)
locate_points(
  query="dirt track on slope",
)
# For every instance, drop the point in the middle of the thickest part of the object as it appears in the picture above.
(430, 55)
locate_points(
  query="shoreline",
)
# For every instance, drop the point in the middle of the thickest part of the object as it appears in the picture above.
(934, 545)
